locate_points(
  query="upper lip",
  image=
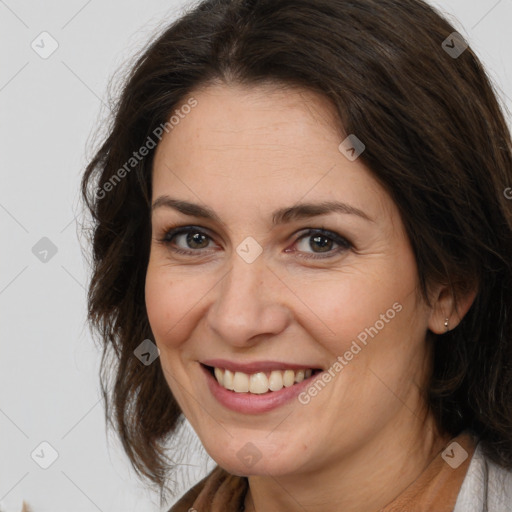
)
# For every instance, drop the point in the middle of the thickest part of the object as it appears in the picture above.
(255, 366)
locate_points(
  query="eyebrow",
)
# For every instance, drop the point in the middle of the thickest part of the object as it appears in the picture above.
(281, 216)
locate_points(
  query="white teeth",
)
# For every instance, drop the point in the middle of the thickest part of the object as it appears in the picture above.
(241, 382)
(261, 382)
(275, 382)
(288, 378)
(228, 379)
(299, 376)
(258, 383)
(219, 375)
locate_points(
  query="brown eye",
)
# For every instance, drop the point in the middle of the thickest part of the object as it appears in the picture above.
(196, 240)
(186, 240)
(321, 241)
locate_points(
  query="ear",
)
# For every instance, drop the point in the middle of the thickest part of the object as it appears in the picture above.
(444, 310)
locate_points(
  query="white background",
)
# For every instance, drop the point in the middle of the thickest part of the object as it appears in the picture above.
(49, 110)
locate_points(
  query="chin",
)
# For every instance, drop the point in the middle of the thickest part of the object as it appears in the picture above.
(248, 456)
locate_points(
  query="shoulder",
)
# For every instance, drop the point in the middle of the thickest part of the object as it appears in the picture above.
(184, 504)
(218, 485)
(487, 486)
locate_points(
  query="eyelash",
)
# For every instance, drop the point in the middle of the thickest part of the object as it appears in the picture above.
(344, 244)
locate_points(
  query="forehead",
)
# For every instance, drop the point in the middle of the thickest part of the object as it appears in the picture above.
(268, 122)
(261, 145)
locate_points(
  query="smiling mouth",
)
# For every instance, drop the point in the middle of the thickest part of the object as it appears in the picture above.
(261, 382)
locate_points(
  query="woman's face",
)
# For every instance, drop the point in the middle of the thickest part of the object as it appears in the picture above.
(262, 284)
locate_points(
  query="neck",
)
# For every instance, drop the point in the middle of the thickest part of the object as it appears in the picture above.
(365, 480)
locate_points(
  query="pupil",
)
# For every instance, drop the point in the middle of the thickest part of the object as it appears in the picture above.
(193, 239)
(323, 246)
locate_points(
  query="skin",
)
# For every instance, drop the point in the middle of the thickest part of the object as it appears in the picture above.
(245, 152)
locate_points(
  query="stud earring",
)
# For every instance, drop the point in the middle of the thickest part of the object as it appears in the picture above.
(446, 325)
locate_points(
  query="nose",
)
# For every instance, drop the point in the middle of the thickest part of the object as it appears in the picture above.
(249, 304)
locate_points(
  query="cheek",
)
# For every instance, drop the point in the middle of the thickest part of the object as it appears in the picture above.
(169, 305)
(170, 310)
(343, 306)
(368, 315)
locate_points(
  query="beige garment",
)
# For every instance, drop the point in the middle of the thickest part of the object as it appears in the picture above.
(435, 490)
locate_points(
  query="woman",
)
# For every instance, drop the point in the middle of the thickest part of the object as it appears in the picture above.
(302, 245)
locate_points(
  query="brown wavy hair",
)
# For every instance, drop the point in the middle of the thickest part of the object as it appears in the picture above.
(435, 137)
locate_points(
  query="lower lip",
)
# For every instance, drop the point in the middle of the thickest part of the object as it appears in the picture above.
(250, 403)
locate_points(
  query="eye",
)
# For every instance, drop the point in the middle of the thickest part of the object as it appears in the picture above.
(323, 240)
(191, 241)
(191, 237)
